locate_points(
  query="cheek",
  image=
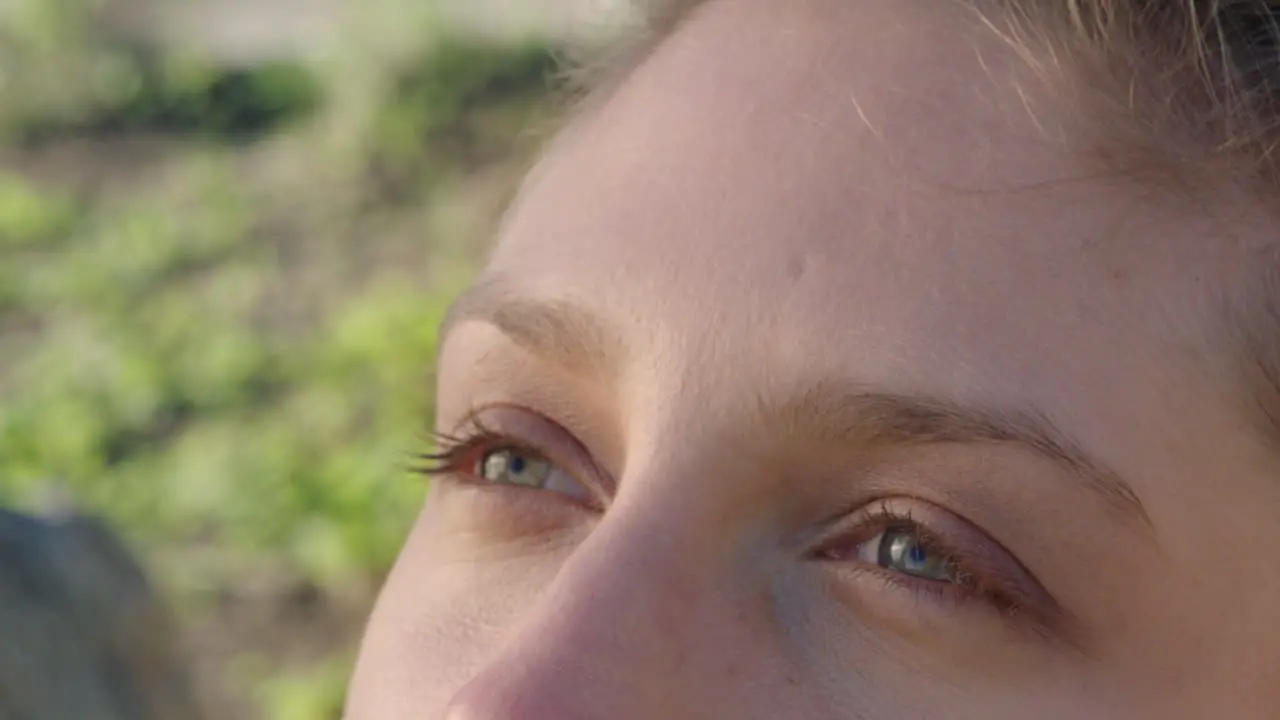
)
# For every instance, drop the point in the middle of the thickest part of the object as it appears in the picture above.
(442, 614)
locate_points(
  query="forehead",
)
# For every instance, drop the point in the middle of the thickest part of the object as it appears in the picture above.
(878, 189)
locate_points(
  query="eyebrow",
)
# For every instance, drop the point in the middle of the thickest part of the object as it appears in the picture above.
(569, 336)
(849, 412)
(560, 332)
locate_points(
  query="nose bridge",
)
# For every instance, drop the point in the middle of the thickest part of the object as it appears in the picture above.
(614, 636)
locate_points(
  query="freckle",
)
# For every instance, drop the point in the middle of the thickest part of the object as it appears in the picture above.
(797, 267)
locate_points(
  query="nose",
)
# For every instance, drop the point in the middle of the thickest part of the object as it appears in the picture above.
(537, 688)
(624, 631)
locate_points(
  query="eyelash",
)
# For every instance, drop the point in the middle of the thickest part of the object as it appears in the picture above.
(455, 457)
(453, 453)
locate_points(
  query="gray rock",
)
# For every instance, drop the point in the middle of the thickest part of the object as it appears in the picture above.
(81, 633)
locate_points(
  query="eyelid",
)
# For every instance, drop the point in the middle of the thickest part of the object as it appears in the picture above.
(534, 432)
(996, 573)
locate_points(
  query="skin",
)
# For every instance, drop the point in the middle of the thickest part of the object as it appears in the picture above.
(813, 261)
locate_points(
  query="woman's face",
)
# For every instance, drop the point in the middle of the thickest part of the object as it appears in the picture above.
(819, 373)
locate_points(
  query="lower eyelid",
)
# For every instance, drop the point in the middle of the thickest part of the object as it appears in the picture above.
(911, 605)
(482, 510)
(564, 483)
(907, 605)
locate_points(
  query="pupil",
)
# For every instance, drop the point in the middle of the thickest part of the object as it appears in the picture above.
(517, 464)
(902, 550)
(917, 555)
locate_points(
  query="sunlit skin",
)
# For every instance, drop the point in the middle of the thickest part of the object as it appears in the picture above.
(849, 387)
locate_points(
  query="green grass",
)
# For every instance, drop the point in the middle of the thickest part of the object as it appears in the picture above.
(209, 352)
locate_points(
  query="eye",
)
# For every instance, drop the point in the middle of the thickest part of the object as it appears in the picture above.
(904, 549)
(526, 468)
(509, 447)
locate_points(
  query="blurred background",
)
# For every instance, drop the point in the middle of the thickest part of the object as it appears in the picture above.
(228, 230)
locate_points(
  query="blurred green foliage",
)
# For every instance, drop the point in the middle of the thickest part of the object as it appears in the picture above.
(189, 353)
(442, 95)
(307, 694)
(156, 398)
(187, 98)
(65, 73)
